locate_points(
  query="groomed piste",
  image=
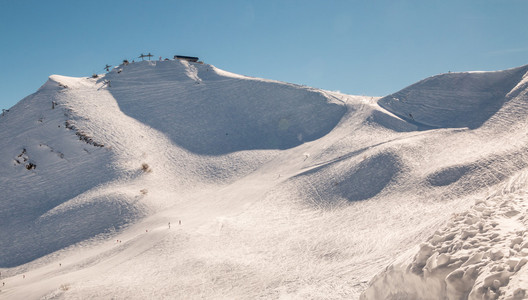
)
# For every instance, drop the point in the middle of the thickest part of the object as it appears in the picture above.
(178, 180)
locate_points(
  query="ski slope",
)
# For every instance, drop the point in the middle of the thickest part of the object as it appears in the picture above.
(282, 191)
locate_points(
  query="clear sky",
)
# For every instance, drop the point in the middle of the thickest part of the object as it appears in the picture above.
(357, 47)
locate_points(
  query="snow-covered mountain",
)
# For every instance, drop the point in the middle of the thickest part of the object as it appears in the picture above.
(172, 179)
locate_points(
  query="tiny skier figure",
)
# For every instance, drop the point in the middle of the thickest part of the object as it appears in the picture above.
(179, 222)
(169, 225)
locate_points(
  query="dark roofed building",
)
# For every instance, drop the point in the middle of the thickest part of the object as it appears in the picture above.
(187, 58)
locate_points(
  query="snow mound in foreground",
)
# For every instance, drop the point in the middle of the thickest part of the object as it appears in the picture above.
(481, 253)
(451, 100)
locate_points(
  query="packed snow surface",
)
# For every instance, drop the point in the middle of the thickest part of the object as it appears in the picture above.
(177, 180)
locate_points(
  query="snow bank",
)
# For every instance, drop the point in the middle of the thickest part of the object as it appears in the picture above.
(480, 254)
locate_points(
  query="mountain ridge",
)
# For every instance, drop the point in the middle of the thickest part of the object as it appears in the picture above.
(453, 99)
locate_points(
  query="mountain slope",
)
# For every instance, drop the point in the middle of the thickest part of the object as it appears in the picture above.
(229, 113)
(481, 252)
(455, 99)
(88, 152)
(281, 190)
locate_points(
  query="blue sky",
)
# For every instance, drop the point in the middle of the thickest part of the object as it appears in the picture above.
(357, 47)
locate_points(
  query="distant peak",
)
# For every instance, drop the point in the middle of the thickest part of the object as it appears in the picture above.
(449, 100)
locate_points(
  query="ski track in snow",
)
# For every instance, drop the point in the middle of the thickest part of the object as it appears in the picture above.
(282, 191)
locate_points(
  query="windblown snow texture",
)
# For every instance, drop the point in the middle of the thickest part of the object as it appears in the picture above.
(271, 189)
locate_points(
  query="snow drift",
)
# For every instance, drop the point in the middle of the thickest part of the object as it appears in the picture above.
(180, 180)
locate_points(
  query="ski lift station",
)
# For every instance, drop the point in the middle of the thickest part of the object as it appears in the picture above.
(187, 58)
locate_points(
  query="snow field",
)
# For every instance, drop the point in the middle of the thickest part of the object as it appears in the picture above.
(283, 191)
